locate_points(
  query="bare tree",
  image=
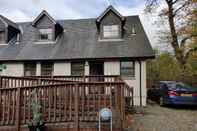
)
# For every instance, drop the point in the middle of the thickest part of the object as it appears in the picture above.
(178, 14)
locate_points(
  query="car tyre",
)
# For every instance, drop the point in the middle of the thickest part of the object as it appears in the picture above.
(161, 101)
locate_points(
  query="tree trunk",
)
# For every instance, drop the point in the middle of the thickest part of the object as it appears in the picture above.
(183, 71)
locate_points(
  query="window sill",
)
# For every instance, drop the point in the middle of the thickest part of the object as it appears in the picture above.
(45, 42)
(128, 77)
(110, 39)
(3, 44)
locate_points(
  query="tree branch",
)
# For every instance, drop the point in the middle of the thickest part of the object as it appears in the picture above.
(187, 38)
(174, 2)
(173, 32)
(190, 52)
(150, 5)
(181, 7)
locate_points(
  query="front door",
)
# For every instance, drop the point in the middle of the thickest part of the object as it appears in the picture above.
(96, 74)
(96, 71)
(96, 68)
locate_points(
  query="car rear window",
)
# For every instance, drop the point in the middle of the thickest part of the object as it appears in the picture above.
(171, 86)
(185, 86)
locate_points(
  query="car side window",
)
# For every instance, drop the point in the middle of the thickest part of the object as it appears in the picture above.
(163, 86)
(178, 86)
(172, 86)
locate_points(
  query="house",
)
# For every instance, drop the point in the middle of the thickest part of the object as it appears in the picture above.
(111, 44)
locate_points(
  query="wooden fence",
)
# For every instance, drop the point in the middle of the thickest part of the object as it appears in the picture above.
(108, 78)
(12, 81)
(72, 102)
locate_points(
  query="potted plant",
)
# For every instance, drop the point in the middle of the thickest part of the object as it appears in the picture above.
(37, 123)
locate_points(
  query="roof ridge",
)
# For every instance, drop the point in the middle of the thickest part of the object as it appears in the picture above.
(8, 21)
(77, 19)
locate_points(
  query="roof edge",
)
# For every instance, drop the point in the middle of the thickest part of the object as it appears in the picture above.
(44, 12)
(71, 59)
(110, 8)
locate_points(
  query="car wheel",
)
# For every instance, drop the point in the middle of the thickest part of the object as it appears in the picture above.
(161, 101)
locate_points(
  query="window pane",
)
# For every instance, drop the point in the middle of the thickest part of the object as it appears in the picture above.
(126, 64)
(44, 37)
(111, 31)
(29, 69)
(47, 69)
(77, 68)
(127, 69)
(45, 34)
(2, 37)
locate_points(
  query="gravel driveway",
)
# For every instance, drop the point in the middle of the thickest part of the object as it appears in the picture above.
(156, 118)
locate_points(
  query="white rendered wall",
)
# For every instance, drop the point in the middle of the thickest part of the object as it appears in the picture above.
(144, 89)
(112, 68)
(13, 69)
(38, 69)
(62, 68)
(87, 68)
(135, 83)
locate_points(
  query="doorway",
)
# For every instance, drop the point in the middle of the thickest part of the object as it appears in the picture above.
(96, 68)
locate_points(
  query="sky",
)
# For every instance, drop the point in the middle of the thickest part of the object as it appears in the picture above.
(28, 10)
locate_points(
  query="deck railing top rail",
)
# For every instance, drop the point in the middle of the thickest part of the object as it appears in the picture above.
(14, 81)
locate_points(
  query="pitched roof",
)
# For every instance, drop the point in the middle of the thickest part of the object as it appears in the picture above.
(8, 22)
(80, 41)
(110, 8)
(44, 12)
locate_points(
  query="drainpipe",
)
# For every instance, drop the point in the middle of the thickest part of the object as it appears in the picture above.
(140, 83)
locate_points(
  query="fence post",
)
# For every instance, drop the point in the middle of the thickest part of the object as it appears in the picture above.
(18, 109)
(132, 97)
(122, 101)
(117, 99)
(76, 107)
(39, 81)
(0, 81)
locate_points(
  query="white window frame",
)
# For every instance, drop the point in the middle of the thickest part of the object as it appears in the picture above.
(47, 69)
(30, 69)
(127, 69)
(2, 37)
(111, 31)
(48, 32)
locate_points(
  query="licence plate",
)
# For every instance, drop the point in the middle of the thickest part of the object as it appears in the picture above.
(188, 95)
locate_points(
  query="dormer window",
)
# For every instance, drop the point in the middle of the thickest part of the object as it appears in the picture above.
(110, 31)
(110, 25)
(48, 29)
(45, 34)
(9, 31)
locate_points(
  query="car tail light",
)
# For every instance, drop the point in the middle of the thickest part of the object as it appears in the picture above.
(194, 94)
(172, 93)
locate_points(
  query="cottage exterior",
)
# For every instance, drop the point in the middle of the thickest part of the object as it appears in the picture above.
(111, 44)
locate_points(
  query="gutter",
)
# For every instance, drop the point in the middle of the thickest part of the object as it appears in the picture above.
(140, 83)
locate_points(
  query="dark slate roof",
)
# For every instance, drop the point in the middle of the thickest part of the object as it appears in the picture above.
(9, 22)
(79, 41)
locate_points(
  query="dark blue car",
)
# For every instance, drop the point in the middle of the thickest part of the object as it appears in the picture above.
(174, 93)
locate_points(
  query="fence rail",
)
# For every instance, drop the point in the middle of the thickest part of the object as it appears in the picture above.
(107, 78)
(13, 81)
(62, 101)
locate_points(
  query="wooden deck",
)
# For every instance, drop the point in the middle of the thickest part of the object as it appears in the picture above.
(68, 103)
